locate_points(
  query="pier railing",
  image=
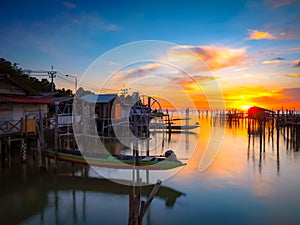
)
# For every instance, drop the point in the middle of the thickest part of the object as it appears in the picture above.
(11, 127)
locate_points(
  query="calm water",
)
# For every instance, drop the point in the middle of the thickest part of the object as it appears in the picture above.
(247, 183)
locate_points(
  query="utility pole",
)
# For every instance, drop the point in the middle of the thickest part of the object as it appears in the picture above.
(51, 74)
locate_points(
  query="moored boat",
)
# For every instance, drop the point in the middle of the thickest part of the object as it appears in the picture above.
(166, 162)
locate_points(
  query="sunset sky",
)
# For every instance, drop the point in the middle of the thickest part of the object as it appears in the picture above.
(249, 49)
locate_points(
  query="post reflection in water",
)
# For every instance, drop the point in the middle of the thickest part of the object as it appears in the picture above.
(285, 136)
(55, 199)
(252, 180)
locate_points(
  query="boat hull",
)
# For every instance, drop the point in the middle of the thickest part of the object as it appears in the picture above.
(112, 162)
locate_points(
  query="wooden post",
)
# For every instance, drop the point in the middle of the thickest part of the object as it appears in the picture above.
(248, 152)
(68, 129)
(22, 128)
(287, 136)
(136, 210)
(145, 205)
(264, 134)
(135, 143)
(75, 220)
(297, 134)
(56, 134)
(26, 124)
(131, 204)
(8, 151)
(21, 150)
(41, 141)
(187, 114)
(84, 207)
(56, 206)
(148, 126)
(84, 126)
(277, 145)
(169, 126)
(2, 154)
(260, 127)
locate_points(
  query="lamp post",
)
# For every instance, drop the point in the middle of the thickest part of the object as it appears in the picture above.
(68, 75)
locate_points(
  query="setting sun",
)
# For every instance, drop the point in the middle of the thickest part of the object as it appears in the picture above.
(245, 107)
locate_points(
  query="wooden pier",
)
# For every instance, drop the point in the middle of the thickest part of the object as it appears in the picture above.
(16, 138)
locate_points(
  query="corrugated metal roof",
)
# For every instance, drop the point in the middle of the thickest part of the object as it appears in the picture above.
(26, 99)
(101, 98)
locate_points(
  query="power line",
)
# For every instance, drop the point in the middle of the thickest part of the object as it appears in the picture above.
(66, 82)
(51, 73)
(58, 75)
(62, 78)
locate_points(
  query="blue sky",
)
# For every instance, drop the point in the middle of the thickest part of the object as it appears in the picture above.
(70, 35)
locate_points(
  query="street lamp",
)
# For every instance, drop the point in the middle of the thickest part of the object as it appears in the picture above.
(68, 75)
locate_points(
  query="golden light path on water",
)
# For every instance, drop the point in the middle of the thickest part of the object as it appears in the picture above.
(240, 162)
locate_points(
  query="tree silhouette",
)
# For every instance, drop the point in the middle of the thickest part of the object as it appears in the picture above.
(6, 67)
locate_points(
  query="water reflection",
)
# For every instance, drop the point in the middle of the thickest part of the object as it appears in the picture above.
(61, 199)
(264, 141)
(267, 137)
(253, 179)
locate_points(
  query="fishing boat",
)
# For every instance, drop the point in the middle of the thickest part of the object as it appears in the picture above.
(174, 127)
(165, 162)
(185, 127)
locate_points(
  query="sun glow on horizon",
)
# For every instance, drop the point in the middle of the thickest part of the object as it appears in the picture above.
(245, 107)
(239, 105)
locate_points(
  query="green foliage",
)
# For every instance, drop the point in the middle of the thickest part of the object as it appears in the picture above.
(62, 92)
(8, 67)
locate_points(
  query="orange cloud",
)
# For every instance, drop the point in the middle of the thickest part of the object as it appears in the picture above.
(187, 65)
(136, 72)
(213, 56)
(258, 35)
(191, 83)
(293, 75)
